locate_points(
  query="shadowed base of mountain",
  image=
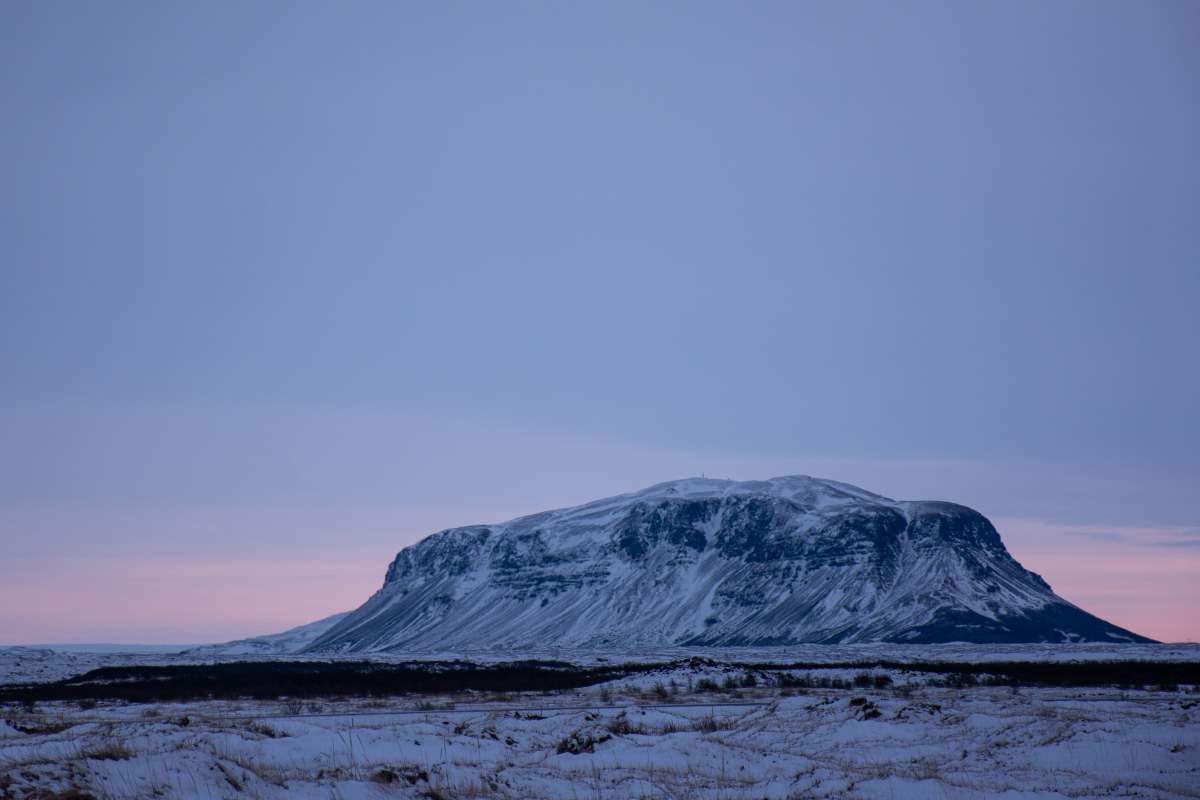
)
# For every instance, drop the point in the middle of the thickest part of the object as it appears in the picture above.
(964, 625)
(1074, 624)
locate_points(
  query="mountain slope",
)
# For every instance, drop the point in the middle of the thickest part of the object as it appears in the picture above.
(292, 640)
(713, 562)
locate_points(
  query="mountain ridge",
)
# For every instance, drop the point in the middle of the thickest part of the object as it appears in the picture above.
(705, 561)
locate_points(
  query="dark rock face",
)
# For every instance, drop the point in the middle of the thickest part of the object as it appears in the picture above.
(703, 562)
(645, 527)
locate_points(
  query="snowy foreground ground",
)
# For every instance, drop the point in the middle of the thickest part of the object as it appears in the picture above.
(681, 732)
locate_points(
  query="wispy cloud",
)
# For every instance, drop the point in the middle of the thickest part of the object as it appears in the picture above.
(1141, 536)
(1103, 536)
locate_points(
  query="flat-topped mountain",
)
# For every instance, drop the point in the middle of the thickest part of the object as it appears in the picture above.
(716, 562)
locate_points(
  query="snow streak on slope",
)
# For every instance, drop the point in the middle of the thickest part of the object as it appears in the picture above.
(290, 641)
(713, 562)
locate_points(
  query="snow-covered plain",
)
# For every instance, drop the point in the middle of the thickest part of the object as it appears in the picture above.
(663, 735)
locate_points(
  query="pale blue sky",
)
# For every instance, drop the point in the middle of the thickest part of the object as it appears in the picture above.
(332, 277)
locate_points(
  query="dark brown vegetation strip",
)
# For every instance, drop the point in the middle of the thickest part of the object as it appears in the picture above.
(265, 680)
(275, 679)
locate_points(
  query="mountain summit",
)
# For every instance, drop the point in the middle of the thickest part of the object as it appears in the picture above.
(716, 562)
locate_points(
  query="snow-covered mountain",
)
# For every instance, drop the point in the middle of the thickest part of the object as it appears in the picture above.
(715, 562)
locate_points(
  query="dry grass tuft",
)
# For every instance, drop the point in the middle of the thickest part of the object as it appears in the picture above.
(106, 750)
(712, 724)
